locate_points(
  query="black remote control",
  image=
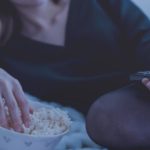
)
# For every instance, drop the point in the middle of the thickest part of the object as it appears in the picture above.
(140, 75)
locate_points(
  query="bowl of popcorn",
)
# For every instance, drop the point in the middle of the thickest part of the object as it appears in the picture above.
(48, 125)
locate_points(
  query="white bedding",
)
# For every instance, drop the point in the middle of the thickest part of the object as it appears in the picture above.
(77, 138)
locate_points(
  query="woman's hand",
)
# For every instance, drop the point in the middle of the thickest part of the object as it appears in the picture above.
(12, 95)
(146, 82)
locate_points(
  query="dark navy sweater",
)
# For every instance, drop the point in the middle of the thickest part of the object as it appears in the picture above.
(106, 40)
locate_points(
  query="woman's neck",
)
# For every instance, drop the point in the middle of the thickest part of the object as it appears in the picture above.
(41, 17)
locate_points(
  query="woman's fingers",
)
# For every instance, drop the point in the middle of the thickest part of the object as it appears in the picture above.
(31, 110)
(22, 103)
(17, 105)
(13, 109)
(146, 82)
(3, 117)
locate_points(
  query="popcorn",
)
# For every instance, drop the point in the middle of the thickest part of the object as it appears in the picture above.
(48, 122)
(45, 122)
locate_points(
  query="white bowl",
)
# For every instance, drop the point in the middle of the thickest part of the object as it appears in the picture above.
(18, 141)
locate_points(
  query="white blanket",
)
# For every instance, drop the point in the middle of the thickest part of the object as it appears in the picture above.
(77, 138)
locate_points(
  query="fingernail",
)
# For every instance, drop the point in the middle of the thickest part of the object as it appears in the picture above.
(31, 110)
(20, 129)
(4, 125)
(27, 124)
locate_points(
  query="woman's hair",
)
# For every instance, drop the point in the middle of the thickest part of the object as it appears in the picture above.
(9, 20)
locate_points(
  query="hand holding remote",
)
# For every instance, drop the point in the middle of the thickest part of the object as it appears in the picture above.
(142, 76)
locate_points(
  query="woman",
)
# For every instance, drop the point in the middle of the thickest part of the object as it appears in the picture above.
(72, 52)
